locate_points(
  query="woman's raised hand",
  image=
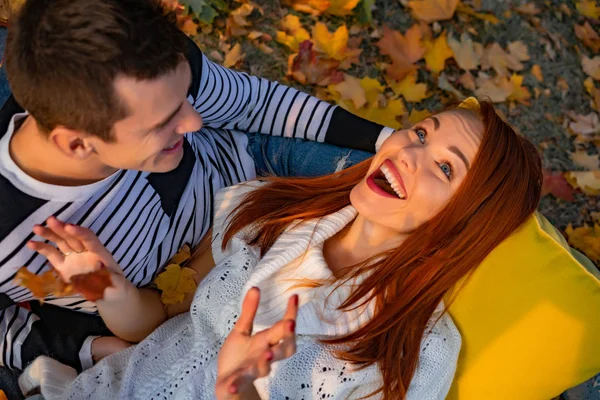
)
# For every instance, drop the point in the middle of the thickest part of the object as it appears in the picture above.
(245, 357)
(79, 251)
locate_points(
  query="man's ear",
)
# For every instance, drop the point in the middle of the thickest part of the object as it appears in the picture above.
(72, 143)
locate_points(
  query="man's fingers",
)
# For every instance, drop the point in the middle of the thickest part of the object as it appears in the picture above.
(249, 307)
(58, 227)
(50, 252)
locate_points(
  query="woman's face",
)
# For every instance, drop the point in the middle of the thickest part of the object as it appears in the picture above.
(418, 170)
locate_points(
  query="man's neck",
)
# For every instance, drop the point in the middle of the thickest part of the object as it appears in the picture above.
(39, 158)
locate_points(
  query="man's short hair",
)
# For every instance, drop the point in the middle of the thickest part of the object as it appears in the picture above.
(62, 58)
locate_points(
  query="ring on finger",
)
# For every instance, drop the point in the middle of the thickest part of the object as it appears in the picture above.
(68, 253)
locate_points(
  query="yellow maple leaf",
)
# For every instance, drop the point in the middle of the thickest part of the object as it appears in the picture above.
(409, 88)
(587, 181)
(293, 33)
(519, 93)
(417, 116)
(351, 89)
(175, 282)
(433, 10)
(586, 239)
(437, 53)
(589, 9)
(333, 44)
(342, 7)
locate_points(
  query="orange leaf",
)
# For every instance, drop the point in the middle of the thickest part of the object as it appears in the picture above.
(314, 7)
(588, 36)
(433, 10)
(495, 57)
(536, 71)
(307, 67)
(92, 285)
(293, 33)
(236, 23)
(3, 395)
(555, 183)
(407, 47)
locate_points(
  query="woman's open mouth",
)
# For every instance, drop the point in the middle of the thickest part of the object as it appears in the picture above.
(387, 181)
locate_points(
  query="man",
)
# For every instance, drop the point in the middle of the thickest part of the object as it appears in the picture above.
(129, 131)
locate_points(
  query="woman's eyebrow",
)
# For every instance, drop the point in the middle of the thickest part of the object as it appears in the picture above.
(460, 155)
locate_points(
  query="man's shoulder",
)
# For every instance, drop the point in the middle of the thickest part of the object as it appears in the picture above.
(8, 110)
(15, 206)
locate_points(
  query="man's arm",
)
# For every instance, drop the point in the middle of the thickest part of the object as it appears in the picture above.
(236, 100)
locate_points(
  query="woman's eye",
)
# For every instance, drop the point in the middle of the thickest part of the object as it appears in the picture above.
(421, 134)
(446, 168)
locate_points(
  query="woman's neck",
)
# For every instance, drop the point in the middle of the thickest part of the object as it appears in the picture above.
(358, 242)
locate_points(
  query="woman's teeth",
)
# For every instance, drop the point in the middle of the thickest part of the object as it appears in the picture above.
(392, 181)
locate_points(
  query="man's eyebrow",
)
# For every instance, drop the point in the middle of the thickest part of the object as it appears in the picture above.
(169, 118)
(460, 155)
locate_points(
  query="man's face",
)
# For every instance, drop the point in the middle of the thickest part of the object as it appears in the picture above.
(151, 137)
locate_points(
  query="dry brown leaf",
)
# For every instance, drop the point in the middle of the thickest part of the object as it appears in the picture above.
(498, 89)
(563, 86)
(236, 23)
(468, 80)
(589, 8)
(587, 181)
(342, 7)
(433, 10)
(528, 8)
(591, 66)
(536, 71)
(584, 160)
(307, 67)
(519, 50)
(588, 36)
(495, 57)
(409, 88)
(234, 56)
(444, 84)
(437, 53)
(404, 50)
(466, 53)
(351, 89)
(466, 9)
(555, 183)
(591, 89)
(585, 125)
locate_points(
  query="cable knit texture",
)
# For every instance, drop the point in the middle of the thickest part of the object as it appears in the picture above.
(179, 359)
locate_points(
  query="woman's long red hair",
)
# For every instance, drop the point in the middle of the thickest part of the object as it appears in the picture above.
(499, 193)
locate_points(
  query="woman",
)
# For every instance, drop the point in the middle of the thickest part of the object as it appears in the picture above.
(370, 251)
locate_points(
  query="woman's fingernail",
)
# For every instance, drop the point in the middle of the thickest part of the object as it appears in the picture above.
(270, 356)
(292, 326)
(295, 299)
(232, 389)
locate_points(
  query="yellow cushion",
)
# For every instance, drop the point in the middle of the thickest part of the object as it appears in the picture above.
(529, 318)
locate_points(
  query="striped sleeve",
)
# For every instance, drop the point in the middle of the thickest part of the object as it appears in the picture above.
(236, 100)
(15, 325)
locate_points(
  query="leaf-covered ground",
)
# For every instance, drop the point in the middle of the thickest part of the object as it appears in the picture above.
(394, 61)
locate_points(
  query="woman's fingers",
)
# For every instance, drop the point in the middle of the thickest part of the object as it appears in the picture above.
(87, 238)
(249, 306)
(292, 308)
(58, 227)
(50, 252)
(286, 347)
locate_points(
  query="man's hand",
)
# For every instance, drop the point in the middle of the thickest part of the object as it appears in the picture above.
(79, 251)
(245, 357)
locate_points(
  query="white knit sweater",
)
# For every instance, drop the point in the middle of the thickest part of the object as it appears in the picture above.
(179, 359)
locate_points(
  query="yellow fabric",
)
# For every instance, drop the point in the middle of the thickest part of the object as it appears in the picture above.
(529, 317)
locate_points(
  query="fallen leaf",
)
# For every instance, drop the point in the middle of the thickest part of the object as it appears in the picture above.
(433, 10)
(314, 7)
(519, 50)
(236, 22)
(585, 125)
(586, 239)
(465, 8)
(444, 84)
(555, 183)
(498, 89)
(563, 86)
(587, 181)
(495, 57)
(417, 116)
(467, 80)
(334, 45)
(588, 8)
(307, 67)
(3, 395)
(437, 53)
(404, 50)
(188, 26)
(293, 33)
(588, 36)
(536, 71)
(591, 66)
(584, 160)
(519, 93)
(233, 56)
(528, 8)
(175, 282)
(351, 89)
(342, 7)
(466, 53)
(409, 88)
(591, 89)
(182, 256)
